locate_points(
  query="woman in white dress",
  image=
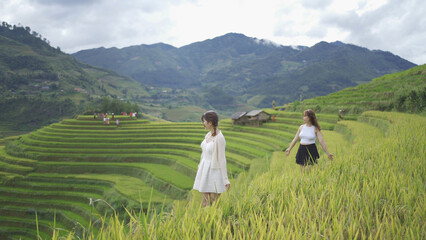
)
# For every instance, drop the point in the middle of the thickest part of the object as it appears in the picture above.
(212, 178)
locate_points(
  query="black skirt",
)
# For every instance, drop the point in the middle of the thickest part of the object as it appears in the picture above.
(307, 154)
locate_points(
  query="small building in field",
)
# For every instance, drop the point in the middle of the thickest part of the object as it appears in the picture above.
(239, 118)
(254, 117)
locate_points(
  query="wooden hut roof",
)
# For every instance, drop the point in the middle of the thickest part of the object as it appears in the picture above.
(254, 113)
(238, 115)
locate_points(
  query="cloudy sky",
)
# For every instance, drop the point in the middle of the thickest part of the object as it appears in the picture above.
(398, 26)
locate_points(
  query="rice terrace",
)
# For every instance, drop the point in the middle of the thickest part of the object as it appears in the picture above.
(66, 174)
(82, 179)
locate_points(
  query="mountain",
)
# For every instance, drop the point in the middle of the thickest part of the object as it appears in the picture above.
(40, 84)
(249, 70)
(164, 65)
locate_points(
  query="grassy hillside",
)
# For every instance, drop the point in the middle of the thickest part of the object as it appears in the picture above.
(30, 66)
(404, 91)
(61, 168)
(374, 189)
(40, 84)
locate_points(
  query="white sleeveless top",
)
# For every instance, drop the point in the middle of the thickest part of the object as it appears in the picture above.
(307, 135)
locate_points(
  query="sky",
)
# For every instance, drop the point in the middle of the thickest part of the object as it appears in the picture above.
(397, 26)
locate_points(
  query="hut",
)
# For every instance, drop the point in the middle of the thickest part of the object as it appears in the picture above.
(239, 118)
(254, 117)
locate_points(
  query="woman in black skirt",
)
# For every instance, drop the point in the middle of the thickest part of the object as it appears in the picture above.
(307, 154)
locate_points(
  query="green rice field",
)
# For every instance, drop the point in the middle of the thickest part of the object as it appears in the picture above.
(82, 180)
(70, 174)
(374, 189)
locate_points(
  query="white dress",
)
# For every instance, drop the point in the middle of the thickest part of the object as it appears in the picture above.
(210, 174)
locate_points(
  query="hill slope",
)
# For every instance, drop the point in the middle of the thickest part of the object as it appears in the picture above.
(251, 70)
(404, 91)
(40, 84)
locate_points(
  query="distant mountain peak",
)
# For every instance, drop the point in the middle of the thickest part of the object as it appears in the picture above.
(159, 45)
(266, 42)
(247, 65)
(242, 37)
(298, 47)
(338, 43)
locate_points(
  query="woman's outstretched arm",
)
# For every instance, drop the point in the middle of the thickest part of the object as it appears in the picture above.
(323, 145)
(287, 151)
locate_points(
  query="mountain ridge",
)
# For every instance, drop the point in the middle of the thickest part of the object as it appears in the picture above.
(246, 68)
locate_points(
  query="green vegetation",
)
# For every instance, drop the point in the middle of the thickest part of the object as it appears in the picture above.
(150, 166)
(374, 189)
(63, 167)
(183, 113)
(40, 85)
(82, 178)
(404, 91)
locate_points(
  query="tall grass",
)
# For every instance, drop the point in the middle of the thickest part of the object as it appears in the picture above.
(374, 189)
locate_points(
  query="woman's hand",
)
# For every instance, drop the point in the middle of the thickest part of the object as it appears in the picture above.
(330, 156)
(227, 186)
(287, 152)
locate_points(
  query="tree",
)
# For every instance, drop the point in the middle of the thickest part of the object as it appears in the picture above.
(105, 104)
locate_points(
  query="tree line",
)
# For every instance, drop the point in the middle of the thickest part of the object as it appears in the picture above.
(27, 36)
(111, 105)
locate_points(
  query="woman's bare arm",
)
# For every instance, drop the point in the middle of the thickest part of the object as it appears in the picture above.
(323, 145)
(287, 151)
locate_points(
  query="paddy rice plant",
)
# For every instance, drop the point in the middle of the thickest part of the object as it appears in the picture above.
(368, 191)
(165, 156)
(374, 189)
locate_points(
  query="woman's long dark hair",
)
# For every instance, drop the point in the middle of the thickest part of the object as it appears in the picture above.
(211, 117)
(312, 118)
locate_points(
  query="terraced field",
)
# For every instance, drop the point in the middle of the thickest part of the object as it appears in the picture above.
(373, 189)
(70, 173)
(392, 91)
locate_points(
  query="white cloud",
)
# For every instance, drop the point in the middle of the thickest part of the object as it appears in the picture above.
(208, 19)
(88, 24)
(390, 25)
(266, 42)
(318, 4)
(395, 26)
